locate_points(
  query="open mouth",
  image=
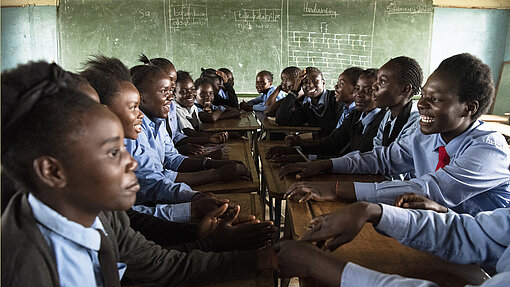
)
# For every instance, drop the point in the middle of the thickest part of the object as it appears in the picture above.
(138, 126)
(427, 119)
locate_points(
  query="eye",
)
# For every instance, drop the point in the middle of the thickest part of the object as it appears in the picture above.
(114, 153)
(434, 99)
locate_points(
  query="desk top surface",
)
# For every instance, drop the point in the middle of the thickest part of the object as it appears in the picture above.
(270, 125)
(495, 119)
(247, 122)
(384, 254)
(237, 149)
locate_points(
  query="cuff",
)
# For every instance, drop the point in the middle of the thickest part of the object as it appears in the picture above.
(355, 275)
(339, 165)
(365, 191)
(394, 221)
(312, 156)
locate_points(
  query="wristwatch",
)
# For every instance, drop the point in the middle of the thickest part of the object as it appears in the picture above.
(205, 161)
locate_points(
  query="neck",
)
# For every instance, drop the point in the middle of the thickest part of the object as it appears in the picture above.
(398, 108)
(67, 209)
(148, 115)
(348, 103)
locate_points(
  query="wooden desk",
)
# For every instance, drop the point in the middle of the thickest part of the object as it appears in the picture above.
(247, 122)
(495, 119)
(499, 127)
(251, 203)
(238, 149)
(384, 254)
(269, 126)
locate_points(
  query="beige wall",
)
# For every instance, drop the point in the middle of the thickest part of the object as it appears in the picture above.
(498, 4)
(6, 3)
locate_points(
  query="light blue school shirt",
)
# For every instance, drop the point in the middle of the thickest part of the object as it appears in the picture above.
(320, 104)
(158, 161)
(74, 246)
(463, 239)
(260, 101)
(412, 123)
(177, 135)
(177, 212)
(366, 119)
(213, 108)
(346, 110)
(222, 94)
(477, 178)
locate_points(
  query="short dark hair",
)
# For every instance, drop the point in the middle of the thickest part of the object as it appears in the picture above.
(371, 73)
(42, 112)
(310, 70)
(353, 74)
(105, 75)
(473, 80)
(143, 75)
(266, 74)
(159, 62)
(183, 76)
(205, 81)
(292, 71)
(410, 73)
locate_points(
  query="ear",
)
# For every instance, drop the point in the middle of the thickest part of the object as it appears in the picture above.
(50, 171)
(471, 108)
(407, 90)
(142, 98)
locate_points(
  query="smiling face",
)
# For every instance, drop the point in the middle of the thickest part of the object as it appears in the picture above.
(126, 105)
(363, 94)
(313, 84)
(99, 171)
(205, 95)
(344, 90)
(185, 93)
(387, 90)
(262, 83)
(157, 97)
(287, 82)
(172, 74)
(441, 111)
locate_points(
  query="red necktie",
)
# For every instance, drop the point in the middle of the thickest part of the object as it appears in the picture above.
(444, 158)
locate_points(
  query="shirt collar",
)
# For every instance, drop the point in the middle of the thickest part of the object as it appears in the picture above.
(322, 99)
(350, 107)
(455, 143)
(87, 237)
(368, 118)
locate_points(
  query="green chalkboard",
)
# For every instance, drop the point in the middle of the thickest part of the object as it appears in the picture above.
(248, 36)
(502, 101)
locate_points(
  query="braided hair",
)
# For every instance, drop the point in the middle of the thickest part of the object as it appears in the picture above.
(292, 72)
(473, 80)
(410, 73)
(105, 75)
(42, 113)
(159, 62)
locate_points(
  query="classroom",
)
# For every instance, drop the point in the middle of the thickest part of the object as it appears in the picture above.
(387, 137)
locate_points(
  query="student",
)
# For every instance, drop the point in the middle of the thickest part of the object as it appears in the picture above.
(264, 85)
(223, 83)
(160, 164)
(186, 146)
(344, 92)
(356, 132)
(207, 111)
(319, 106)
(462, 239)
(458, 162)
(67, 227)
(288, 76)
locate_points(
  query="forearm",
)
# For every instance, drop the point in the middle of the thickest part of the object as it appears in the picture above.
(198, 177)
(229, 114)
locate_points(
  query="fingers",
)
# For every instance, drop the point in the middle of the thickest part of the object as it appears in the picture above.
(217, 212)
(337, 242)
(289, 169)
(231, 216)
(305, 198)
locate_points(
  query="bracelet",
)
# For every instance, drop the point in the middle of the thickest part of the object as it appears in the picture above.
(205, 161)
(336, 190)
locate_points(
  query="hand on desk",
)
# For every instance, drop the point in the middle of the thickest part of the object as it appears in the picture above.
(418, 201)
(305, 190)
(246, 106)
(220, 137)
(203, 203)
(190, 149)
(233, 172)
(342, 226)
(276, 151)
(306, 169)
(287, 158)
(294, 140)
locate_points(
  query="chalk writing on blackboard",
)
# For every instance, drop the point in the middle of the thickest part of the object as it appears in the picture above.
(248, 19)
(332, 53)
(188, 15)
(314, 10)
(408, 9)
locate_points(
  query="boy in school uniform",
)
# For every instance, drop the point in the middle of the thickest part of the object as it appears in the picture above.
(457, 161)
(223, 83)
(264, 85)
(319, 108)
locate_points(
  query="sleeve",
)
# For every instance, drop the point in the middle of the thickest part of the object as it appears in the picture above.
(180, 212)
(355, 275)
(285, 116)
(459, 238)
(155, 184)
(149, 263)
(178, 136)
(182, 121)
(173, 158)
(467, 176)
(412, 124)
(260, 107)
(257, 100)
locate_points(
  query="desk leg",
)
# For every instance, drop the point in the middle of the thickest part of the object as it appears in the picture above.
(278, 214)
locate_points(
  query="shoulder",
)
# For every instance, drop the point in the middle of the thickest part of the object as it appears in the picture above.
(482, 133)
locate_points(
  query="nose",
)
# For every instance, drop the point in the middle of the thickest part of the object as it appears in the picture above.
(422, 103)
(140, 115)
(375, 87)
(131, 164)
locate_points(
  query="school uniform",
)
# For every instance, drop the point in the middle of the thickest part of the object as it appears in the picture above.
(357, 132)
(188, 118)
(226, 97)
(463, 239)
(324, 115)
(40, 249)
(158, 161)
(259, 103)
(213, 108)
(477, 177)
(397, 129)
(172, 125)
(344, 113)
